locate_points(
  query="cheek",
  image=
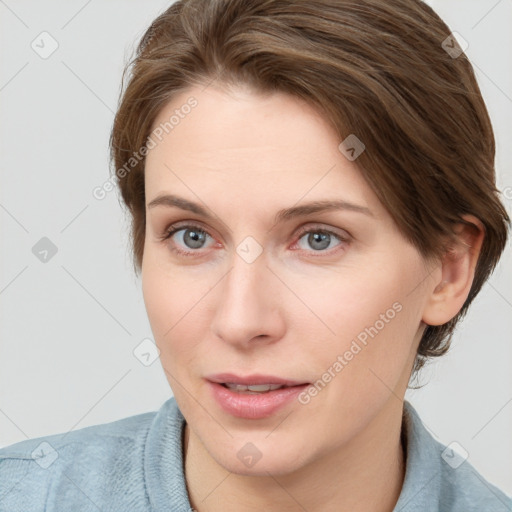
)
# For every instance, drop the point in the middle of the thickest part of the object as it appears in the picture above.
(159, 300)
(366, 361)
(369, 317)
(175, 307)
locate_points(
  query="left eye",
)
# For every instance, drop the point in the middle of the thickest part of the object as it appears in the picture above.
(319, 239)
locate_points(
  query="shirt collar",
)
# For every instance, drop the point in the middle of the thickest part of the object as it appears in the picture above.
(420, 489)
(425, 468)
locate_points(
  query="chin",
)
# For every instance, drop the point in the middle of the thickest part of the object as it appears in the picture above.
(260, 458)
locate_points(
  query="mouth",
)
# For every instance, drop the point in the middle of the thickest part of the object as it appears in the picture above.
(253, 396)
(252, 389)
(255, 383)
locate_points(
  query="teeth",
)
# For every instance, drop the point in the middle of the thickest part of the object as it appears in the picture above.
(264, 387)
(254, 388)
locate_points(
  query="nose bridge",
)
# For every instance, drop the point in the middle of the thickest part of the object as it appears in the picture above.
(247, 307)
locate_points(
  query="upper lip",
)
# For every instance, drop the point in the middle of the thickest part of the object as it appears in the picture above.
(248, 380)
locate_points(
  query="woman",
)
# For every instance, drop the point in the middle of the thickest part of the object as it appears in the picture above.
(313, 203)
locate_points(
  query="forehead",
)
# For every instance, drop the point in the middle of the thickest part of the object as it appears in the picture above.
(247, 147)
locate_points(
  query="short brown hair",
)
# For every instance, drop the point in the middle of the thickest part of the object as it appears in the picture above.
(379, 70)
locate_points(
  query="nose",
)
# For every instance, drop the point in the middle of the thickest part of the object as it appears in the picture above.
(249, 306)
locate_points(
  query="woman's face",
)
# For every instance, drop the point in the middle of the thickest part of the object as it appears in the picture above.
(328, 302)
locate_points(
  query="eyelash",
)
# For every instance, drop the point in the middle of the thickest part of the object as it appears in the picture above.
(175, 228)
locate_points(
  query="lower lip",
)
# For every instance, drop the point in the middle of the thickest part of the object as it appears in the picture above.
(254, 406)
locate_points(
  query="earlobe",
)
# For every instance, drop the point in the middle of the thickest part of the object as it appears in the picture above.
(457, 272)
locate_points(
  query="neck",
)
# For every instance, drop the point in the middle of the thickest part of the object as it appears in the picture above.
(366, 475)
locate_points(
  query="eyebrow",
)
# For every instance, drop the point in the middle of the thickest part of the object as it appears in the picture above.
(170, 200)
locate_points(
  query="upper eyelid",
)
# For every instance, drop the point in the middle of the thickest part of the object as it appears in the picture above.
(318, 227)
(178, 226)
(299, 232)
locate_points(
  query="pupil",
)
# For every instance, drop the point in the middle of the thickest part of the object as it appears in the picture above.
(323, 238)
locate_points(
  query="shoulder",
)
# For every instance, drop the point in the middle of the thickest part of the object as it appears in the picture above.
(440, 477)
(93, 466)
(464, 489)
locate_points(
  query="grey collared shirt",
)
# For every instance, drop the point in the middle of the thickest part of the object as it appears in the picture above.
(136, 464)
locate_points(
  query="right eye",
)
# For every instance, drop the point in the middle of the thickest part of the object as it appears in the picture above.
(193, 238)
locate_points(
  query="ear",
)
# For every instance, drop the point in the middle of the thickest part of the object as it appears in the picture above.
(458, 270)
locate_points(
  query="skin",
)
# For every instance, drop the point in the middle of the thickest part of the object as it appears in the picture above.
(290, 312)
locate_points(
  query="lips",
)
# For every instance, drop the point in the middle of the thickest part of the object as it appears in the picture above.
(253, 396)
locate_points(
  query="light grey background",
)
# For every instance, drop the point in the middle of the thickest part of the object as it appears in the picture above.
(69, 326)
